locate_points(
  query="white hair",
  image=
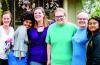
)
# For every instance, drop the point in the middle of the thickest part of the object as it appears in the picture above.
(84, 14)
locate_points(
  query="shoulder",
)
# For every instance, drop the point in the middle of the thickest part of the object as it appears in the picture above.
(97, 36)
(96, 39)
(31, 30)
(22, 26)
(46, 28)
(1, 28)
(52, 25)
(71, 24)
(12, 29)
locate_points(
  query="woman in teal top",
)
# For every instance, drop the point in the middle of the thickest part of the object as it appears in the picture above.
(59, 35)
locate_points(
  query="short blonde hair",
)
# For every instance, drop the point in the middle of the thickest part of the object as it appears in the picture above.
(60, 9)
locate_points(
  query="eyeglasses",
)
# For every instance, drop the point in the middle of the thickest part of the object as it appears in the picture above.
(59, 16)
(82, 19)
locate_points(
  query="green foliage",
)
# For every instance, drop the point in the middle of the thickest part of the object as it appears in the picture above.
(18, 11)
(96, 10)
(1, 11)
(92, 7)
(5, 4)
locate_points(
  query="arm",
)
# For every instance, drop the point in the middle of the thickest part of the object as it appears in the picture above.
(96, 49)
(48, 54)
(48, 41)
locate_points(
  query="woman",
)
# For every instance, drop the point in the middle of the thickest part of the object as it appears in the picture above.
(6, 37)
(18, 55)
(37, 34)
(59, 35)
(93, 48)
(79, 40)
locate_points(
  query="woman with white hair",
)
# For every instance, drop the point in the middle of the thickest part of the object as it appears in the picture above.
(79, 40)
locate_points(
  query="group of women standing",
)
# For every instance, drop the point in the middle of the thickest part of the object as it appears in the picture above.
(35, 42)
(25, 46)
(86, 41)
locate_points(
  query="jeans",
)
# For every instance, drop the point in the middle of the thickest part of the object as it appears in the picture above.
(37, 63)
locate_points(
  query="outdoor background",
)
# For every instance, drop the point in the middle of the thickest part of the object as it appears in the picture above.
(72, 8)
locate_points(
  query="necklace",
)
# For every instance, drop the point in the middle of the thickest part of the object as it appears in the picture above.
(40, 29)
(40, 26)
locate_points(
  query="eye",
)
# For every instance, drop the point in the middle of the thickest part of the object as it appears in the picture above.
(39, 12)
(7, 18)
(4, 18)
(90, 23)
(35, 13)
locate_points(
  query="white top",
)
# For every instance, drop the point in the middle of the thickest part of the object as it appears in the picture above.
(5, 39)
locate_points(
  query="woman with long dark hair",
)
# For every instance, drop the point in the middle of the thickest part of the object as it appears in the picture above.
(93, 47)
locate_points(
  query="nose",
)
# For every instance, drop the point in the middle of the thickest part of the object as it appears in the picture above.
(6, 19)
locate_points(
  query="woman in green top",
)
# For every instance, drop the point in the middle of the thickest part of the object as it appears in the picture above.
(59, 36)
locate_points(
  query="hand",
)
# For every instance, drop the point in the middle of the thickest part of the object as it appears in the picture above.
(48, 62)
(20, 58)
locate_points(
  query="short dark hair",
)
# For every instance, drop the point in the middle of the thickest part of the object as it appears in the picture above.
(27, 15)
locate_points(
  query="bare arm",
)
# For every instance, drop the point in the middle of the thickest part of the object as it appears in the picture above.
(48, 54)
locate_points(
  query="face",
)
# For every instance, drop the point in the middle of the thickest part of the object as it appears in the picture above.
(93, 25)
(60, 17)
(38, 15)
(82, 21)
(27, 23)
(6, 19)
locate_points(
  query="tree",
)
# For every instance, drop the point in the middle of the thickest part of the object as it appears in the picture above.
(92, 7)
(5, 4)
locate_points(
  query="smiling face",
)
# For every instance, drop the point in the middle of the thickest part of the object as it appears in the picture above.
(27, 23)
(82, 19)
(59, 17)
(93, 25)
(6, 19)
(38, 15)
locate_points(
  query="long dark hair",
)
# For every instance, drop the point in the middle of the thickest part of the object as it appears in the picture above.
(97, 18)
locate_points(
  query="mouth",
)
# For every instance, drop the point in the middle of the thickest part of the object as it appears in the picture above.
(38, 16)
(6, 22)
(81, 22)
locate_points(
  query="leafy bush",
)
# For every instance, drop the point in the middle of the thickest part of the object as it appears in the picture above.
(96, 10)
